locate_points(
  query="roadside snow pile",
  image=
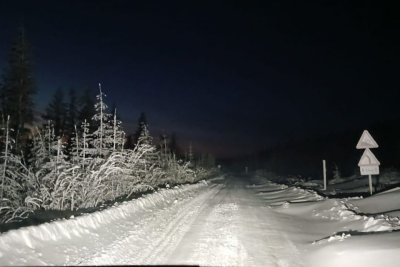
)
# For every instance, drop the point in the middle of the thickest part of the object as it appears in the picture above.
(33, 236)
(350, 210)
(339, 232)
(289, 200)
(362, 250)
(333, 209)
(289, 194)
(383, 203)
(278, 194)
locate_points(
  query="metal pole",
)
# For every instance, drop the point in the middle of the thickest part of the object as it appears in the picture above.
(324, 172)
(370, 183)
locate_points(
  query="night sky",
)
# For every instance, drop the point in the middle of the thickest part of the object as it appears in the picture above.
(231, 77)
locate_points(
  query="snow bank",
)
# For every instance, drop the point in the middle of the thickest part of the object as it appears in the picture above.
(290, 194)
(364, 250)
(342, 210)
(380, 203)
(33, 236)
(278, 194)
(339, 232)
(289, 200)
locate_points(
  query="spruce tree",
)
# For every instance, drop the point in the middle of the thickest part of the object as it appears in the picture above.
(118, 133)
(163, 145)
(173, 145)
(142, 126)
(87, 110)
(18, 87)
(145, 137)
(103, 136)
(72, 114)
(87, 151)
(145, 147)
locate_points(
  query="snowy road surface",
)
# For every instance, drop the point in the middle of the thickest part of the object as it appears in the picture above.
(224, 222)
(220, 224)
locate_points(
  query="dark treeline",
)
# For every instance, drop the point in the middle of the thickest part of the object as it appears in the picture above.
(304, 157)
(66, 110)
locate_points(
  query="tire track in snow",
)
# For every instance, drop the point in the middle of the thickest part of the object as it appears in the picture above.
(213, 239)
(177, 228)
(155, 235)
(237, 229)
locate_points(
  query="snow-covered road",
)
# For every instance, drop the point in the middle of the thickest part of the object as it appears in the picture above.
(220, 224)
(235, 228)
(224, 222)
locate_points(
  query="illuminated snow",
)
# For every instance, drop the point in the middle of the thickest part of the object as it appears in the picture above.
(218, 223)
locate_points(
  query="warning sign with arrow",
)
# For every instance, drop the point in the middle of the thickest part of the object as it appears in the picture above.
(369, 164)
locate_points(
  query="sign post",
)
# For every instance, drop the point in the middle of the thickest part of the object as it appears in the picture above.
(369, 164)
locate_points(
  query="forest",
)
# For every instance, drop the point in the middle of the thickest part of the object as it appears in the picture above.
(76, 154)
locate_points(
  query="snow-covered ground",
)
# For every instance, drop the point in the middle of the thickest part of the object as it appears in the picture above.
(224, 222)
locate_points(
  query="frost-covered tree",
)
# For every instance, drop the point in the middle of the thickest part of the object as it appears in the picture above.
(118, 133)
(98, 168)
(145, 137)
(76, 147)
(43, 139)
(5, 156)
(16, 182)
(87, 152)
(103, 136)
(45, 163)
(53, 178)
(83, 152)
(39, 149)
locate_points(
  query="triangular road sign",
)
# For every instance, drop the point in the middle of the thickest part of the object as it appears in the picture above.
(366, 141)
(368, 159)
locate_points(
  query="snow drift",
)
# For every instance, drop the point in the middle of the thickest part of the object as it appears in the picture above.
(32, 236)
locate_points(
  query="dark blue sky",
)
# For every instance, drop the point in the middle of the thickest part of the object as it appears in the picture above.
(232, 77)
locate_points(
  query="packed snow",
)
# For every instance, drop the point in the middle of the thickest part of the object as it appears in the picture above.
(227, 221)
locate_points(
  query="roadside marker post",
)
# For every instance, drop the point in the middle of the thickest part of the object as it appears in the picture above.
(369, 164)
